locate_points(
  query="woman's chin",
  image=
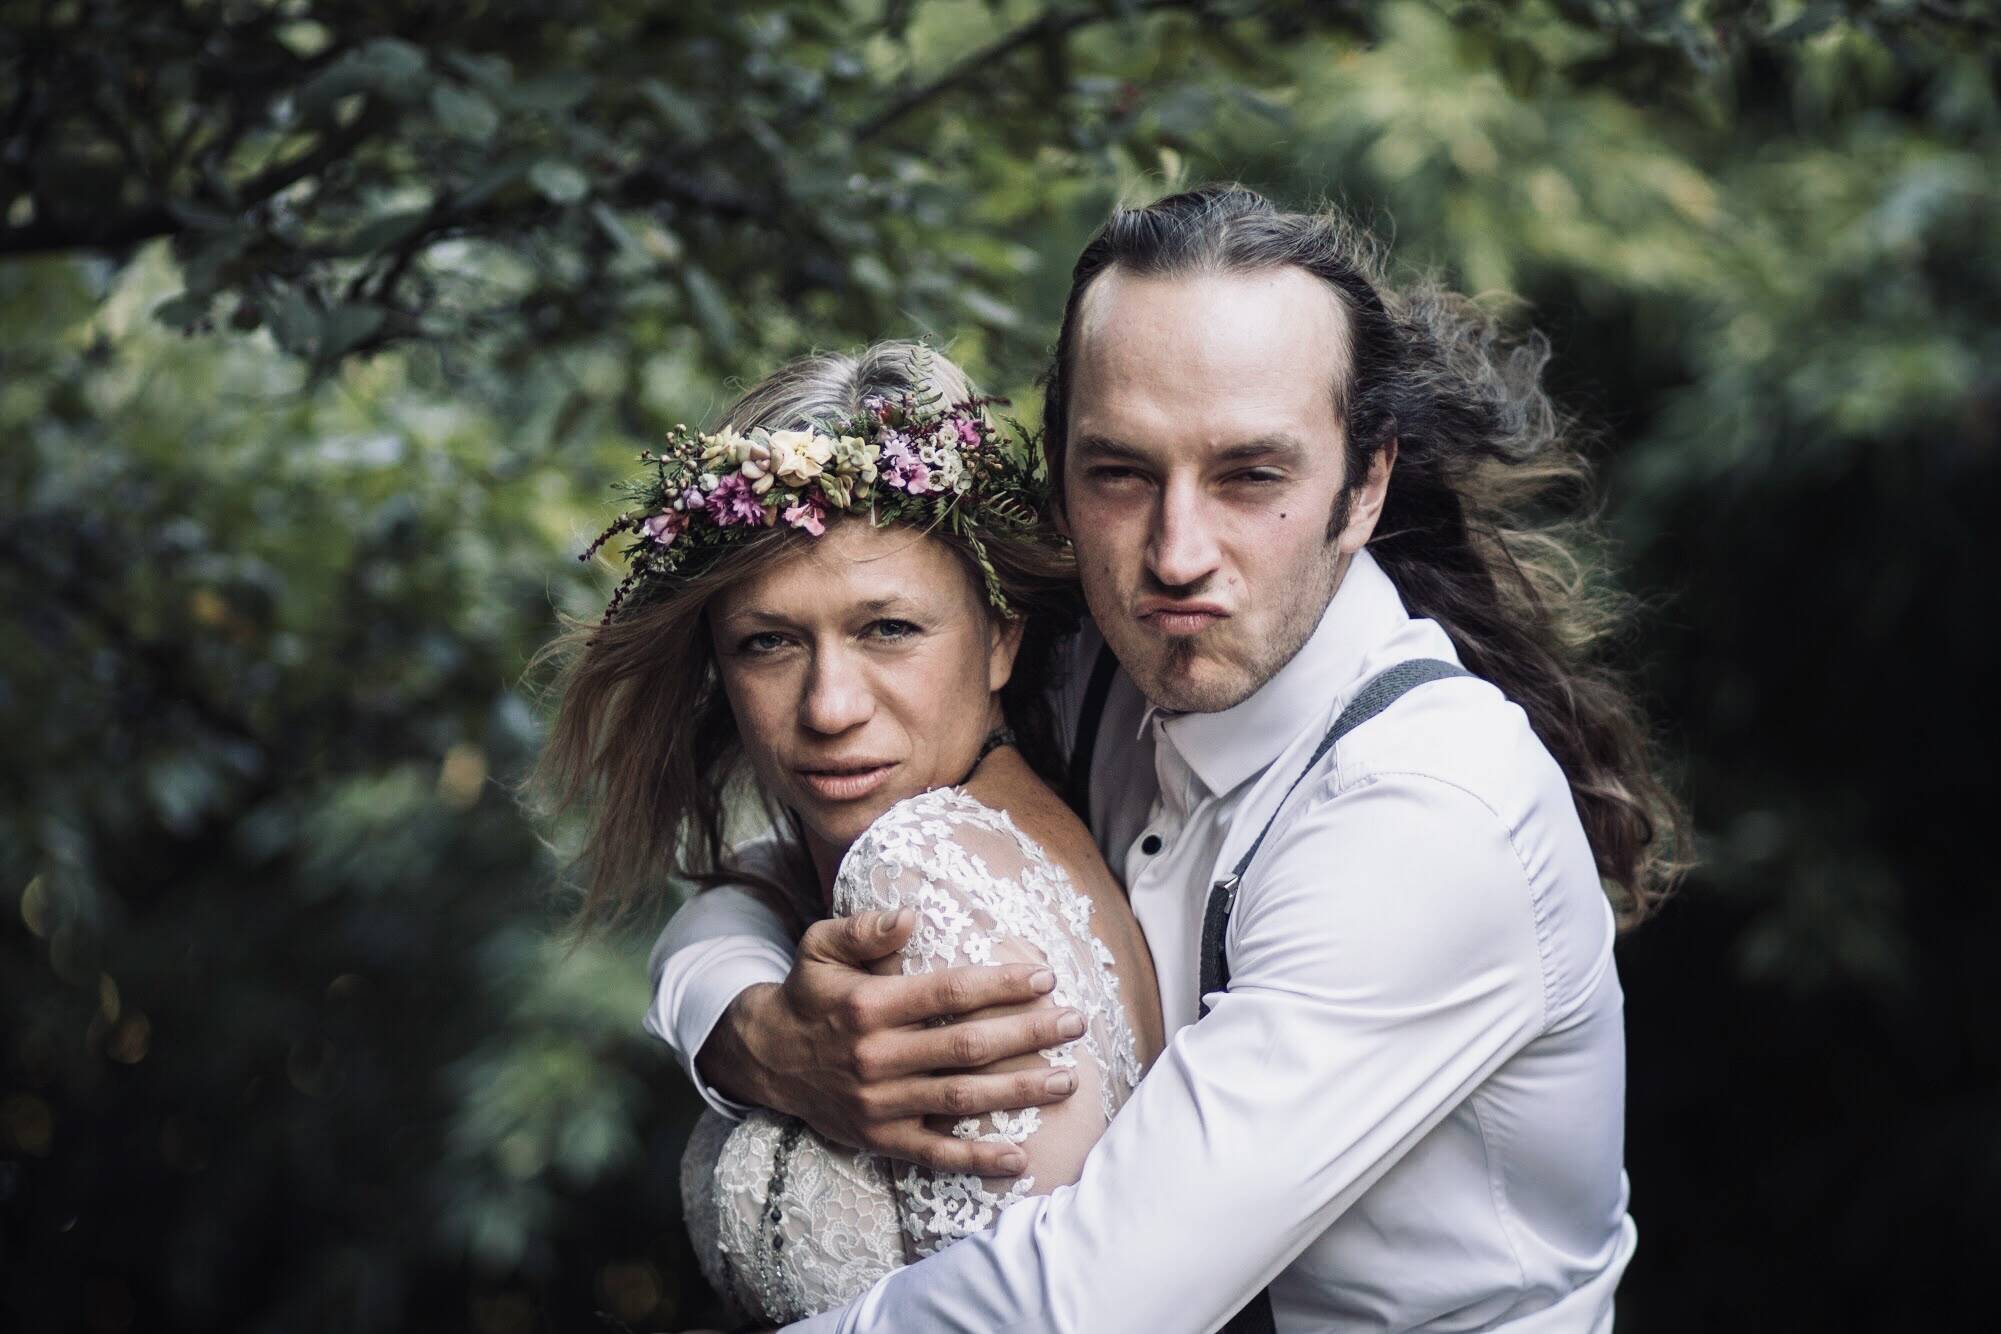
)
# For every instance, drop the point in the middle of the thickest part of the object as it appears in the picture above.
(839, 824)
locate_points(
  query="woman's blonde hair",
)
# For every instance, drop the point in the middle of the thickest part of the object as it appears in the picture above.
(643, 731)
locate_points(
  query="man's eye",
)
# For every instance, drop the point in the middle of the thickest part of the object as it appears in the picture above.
(894, 629)
(1110, 473)
(1258, 476)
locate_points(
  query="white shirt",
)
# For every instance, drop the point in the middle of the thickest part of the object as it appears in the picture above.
(1407, 1112)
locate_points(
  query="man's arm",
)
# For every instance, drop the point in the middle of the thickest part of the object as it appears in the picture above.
(821, 1037)
(1372, 992)
(720, 942)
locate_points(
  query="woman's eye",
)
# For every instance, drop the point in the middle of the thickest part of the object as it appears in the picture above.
(765, 641)
(893, 630)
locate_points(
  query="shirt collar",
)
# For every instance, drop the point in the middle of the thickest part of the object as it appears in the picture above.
(1225, 748)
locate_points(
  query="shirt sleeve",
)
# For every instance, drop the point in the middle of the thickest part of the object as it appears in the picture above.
(719, 942)
(1373, 989)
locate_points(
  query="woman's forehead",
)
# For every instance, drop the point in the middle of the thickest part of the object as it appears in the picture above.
(856, 567)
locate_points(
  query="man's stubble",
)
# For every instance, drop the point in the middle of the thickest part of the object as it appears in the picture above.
(1166, 681)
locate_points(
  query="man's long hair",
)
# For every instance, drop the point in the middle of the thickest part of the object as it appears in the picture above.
(1483, 529)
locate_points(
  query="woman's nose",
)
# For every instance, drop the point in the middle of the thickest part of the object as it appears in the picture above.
(837, 695)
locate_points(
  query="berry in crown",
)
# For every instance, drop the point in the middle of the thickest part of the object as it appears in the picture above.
(898, 460)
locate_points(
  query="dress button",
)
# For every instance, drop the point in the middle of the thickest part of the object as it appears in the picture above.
(1150, 844)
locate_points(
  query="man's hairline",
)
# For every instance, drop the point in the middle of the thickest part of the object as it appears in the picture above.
(1344, 335)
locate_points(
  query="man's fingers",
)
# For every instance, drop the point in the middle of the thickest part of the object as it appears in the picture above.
(971, 1095)
(965, 1046)
(946, 1153)
(860, 940)
(955, 991)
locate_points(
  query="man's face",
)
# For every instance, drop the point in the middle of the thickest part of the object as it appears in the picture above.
(1204, 464)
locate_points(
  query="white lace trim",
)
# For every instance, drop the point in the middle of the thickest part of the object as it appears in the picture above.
(919, 854)
(848, 1217)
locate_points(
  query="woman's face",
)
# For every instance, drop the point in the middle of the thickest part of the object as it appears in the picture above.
(861, 671)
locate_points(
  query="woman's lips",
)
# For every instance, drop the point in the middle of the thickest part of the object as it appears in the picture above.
(846, 782)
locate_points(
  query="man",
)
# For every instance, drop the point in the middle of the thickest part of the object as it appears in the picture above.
(1405, 1107)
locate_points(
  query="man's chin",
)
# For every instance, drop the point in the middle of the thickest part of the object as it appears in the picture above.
(1187, 682)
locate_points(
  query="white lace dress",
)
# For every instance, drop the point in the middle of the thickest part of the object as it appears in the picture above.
(786, 1224)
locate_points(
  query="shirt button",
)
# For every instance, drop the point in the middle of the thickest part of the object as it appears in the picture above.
(1150, 844)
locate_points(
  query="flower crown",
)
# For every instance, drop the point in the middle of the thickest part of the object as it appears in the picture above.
(899, 460)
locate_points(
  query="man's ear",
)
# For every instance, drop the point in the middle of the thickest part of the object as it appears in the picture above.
(1366, 503)
(1003, 646)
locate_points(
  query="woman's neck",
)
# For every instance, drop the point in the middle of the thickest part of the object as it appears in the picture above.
(827, 856)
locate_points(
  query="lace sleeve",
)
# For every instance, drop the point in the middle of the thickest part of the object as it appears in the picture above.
(985, 894)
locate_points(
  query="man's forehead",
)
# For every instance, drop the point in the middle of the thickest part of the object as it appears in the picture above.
(1241, 354)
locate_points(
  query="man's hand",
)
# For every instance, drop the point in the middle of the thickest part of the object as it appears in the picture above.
(847, 1050)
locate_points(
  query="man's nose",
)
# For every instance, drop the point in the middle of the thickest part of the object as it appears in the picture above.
(1182, 551)
(837, 696)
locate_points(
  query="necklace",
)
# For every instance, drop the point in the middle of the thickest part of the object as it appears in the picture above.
(1000, 736)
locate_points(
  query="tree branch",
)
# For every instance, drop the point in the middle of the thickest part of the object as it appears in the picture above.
(119, 231)
(1052, 26)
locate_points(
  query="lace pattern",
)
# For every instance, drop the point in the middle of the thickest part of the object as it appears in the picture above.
(983, 893)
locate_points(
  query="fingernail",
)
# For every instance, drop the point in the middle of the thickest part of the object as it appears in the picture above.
(1071, 1025)
(1012, 1163)
(1060, 1082)
(1042, 979)
(889, 921)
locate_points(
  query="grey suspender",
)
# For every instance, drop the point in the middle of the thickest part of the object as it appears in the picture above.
(1078, 791)
(1377, 694)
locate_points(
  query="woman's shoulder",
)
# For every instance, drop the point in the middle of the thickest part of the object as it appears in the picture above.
(932, 822)
(944, 837)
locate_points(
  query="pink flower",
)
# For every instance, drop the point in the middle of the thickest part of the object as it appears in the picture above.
(809, 514)
(734, 503)
(969, 431)
(901, 467)
(665, 526)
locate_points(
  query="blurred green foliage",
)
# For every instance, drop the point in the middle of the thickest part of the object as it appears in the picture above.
(324, 327)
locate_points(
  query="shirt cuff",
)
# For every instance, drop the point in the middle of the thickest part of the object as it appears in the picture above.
(696, 987)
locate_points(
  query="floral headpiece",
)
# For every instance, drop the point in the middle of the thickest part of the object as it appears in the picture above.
(898, 460)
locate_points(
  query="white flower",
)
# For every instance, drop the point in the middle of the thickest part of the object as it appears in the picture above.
(948, 470)
(797, 457)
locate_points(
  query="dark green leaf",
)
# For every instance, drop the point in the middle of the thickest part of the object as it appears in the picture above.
(347, 326)
(463, 113)
(558, 182)
(182, 312)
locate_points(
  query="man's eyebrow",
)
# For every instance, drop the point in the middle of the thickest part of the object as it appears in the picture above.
(1261, 447)
(1103, 446)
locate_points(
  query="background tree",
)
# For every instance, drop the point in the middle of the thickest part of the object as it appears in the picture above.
(323, 327)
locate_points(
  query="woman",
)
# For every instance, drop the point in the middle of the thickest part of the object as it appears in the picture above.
(849, 594)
